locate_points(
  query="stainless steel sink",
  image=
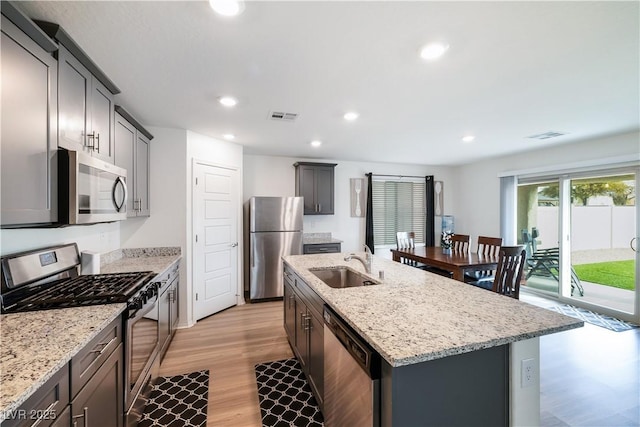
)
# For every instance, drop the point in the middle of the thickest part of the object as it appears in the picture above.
(343, 277)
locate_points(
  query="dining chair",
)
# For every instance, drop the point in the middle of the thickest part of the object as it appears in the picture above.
(407, 240)
(460, 243)
(511, 261)
(487, 247)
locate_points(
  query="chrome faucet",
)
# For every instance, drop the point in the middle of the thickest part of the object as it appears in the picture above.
(367, 261)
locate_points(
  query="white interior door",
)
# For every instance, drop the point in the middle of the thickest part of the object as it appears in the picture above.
(215, 240)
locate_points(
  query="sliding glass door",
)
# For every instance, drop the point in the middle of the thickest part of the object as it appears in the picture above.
(580, 231)
(603, 225)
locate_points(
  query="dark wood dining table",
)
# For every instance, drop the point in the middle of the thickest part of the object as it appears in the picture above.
(458, 263)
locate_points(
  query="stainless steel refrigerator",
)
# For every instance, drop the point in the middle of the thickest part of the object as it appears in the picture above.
(275, 229)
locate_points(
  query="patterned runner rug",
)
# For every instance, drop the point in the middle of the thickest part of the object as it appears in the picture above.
(597, 319)
(285, 397)
(178, 401)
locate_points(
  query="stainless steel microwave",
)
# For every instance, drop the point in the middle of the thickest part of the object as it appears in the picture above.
(90, 190)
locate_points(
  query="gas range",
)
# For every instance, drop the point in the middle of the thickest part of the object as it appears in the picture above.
(48, 279)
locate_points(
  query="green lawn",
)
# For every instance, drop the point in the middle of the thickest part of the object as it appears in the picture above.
(618, 274)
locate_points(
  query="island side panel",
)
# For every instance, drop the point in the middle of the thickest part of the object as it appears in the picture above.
(462, 390)
(525, 398)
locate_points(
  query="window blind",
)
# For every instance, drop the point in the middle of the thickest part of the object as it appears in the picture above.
(398, 206)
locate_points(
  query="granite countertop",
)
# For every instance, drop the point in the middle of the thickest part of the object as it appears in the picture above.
(415, 316)
(35, 345)
(157, 260)
(318, 239)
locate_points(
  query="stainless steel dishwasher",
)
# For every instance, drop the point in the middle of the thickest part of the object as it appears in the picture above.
(351, 376)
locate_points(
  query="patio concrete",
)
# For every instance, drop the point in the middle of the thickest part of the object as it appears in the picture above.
(606, 296)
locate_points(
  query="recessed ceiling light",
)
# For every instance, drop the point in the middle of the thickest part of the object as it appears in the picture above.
(468, 138)
(433, 51)
(229, 136)
(316, 143)
(227, 7)
(351, 116)
(228, 101)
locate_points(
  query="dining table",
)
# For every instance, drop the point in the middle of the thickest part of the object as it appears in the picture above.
(458, 263)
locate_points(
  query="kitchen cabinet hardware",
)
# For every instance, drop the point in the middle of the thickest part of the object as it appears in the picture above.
(85, 415)
(315, 182)
(103, 346)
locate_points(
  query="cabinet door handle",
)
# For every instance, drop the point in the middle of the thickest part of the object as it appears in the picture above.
(90, 142)
(307, 322)
(85, 415)
(319, 207)
(291, 298)
(97, 141)
(47, 411)
(103, 346)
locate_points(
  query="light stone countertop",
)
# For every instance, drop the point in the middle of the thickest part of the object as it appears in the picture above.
(318, 239)
(415, 316)
(157, 260)
(36, 344)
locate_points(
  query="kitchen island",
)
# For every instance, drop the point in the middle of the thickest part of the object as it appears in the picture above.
(447, 348)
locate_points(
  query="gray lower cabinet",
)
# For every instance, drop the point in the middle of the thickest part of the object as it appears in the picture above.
(132, 151)
(168, 308)
(321, 248)
(315, 182)
(305, 330)
(100, 402)
(44, 405)
(86, 392)
(29, 79)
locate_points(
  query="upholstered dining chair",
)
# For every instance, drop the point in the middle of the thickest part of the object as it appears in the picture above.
(460, 243)
(511, 261)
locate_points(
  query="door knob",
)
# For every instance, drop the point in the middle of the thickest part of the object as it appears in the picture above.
(631, 244)
(233, 245)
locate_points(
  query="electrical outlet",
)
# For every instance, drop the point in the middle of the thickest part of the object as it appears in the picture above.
(528, 372)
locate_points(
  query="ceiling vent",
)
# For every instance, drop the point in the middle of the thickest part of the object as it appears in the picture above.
(281, 116)
(546, 135)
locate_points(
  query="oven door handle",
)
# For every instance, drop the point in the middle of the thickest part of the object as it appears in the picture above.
(125, 196)
(150, 305)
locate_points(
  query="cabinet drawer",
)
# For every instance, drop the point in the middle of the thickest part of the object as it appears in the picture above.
(322, 248)
(45, 405)
(88, 360)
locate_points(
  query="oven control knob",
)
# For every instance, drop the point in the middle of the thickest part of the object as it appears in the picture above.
(150, 292)
(134, 305)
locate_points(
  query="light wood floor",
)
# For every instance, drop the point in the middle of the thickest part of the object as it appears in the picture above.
(229, 344)
(589, 376)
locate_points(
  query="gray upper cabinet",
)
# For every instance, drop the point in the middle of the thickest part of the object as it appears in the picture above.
(315, 182)
(131, 151)
(29, 134)
(85, 99)
(85, 109)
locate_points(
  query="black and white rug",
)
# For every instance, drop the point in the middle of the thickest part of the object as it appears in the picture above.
(178, 401)
(597, 319)
(285, 397)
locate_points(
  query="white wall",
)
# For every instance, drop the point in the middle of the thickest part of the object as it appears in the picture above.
(172, 154)
(477, 195)
(275, 176)
(168, 202)
(98, 237)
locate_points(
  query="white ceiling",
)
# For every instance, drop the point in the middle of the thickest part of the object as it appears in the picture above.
(514, 69)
